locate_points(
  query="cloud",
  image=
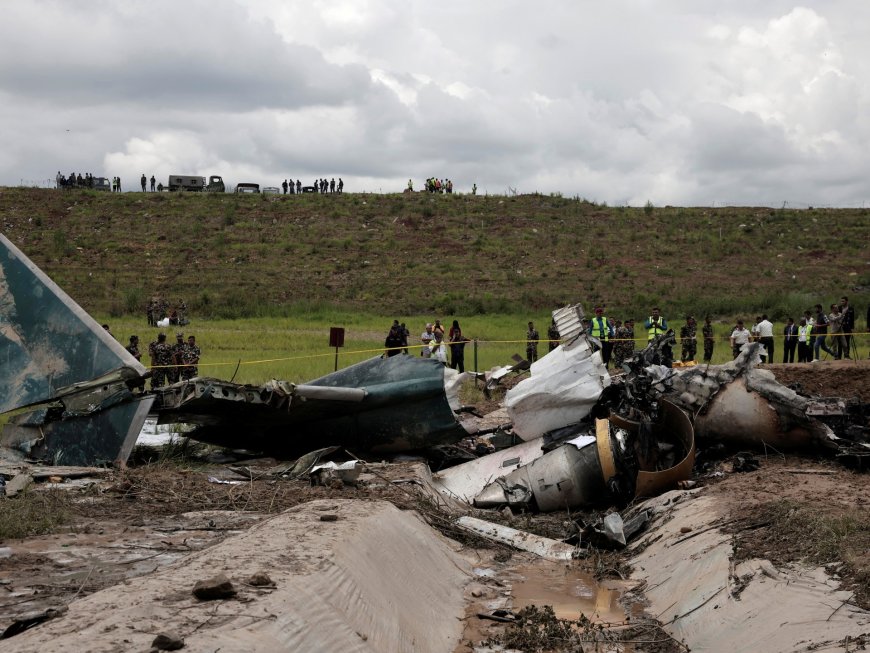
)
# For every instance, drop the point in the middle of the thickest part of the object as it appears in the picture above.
(675, 102)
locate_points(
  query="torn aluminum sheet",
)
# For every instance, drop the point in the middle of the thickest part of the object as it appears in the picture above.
(563, 388)
(346, 472)
(611, 462)
(541, 546)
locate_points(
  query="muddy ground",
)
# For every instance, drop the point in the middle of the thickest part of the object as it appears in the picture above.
(81, 536)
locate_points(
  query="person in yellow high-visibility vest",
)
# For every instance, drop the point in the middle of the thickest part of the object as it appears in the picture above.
(655, 324)
(602, 328)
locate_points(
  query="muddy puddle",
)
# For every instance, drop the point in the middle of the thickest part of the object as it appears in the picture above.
(570, 591)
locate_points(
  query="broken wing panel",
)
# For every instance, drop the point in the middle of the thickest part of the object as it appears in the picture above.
(47, 341)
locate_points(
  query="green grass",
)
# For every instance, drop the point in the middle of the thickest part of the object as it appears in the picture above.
(417, 254)
(296, 348)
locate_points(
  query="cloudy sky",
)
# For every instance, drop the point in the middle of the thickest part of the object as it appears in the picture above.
(682, 102)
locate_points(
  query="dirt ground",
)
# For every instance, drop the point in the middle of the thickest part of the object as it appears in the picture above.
(792, 508)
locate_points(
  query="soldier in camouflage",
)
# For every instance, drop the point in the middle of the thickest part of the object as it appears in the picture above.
(161, 355)
(620, 335)
(191, 359)
(133, 348)
(623, 348)
(707, 331)
(553, 335)
(532, 338)
(177, 357)
(689, 339)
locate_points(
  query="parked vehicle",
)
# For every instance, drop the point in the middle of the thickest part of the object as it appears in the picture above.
(247, 188)
(271, 190)
(102, 183)
(196, 184)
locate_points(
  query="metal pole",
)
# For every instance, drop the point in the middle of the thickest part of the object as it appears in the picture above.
(336, 359)
(475, 361)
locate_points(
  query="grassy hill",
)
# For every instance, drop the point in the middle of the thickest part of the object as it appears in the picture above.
(242, 256)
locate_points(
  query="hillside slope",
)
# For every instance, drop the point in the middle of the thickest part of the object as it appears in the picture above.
(230, 256)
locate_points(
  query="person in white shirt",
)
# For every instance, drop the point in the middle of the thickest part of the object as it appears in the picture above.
(438, 348)
(426, 338)
(765, 337)
(739, 337)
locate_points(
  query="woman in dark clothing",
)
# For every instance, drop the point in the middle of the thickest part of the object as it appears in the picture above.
(457, 347)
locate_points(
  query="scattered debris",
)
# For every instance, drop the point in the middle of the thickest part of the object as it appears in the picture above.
(31, 619)
(17, 483)
(218, 587)
(541, 546)
(168, 642)
(261, 579)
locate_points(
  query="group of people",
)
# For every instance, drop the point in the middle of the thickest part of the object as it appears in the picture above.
(435, 185)
(144, 182)
(169, 363)
(319, 186)
(434, 343)
(613, 338)
(74, 180)
(158, 309)
(804, 340)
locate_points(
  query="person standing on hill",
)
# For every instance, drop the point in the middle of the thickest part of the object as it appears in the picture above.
(152, 183)
(655, 324)
(532, 338)
(790, 341)
(709, 339)
(144, 181)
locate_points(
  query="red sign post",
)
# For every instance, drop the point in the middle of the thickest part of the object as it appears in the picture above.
(336, 339)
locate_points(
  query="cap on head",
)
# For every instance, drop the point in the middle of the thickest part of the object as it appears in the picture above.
(161, 336)
(179, 335)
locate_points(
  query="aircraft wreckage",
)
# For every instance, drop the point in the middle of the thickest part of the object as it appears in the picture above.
(586, 438)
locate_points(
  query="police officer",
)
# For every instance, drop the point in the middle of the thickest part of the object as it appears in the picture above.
(655, 324)
(601, 327)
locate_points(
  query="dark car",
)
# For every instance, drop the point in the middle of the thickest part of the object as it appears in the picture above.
(247, 188)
